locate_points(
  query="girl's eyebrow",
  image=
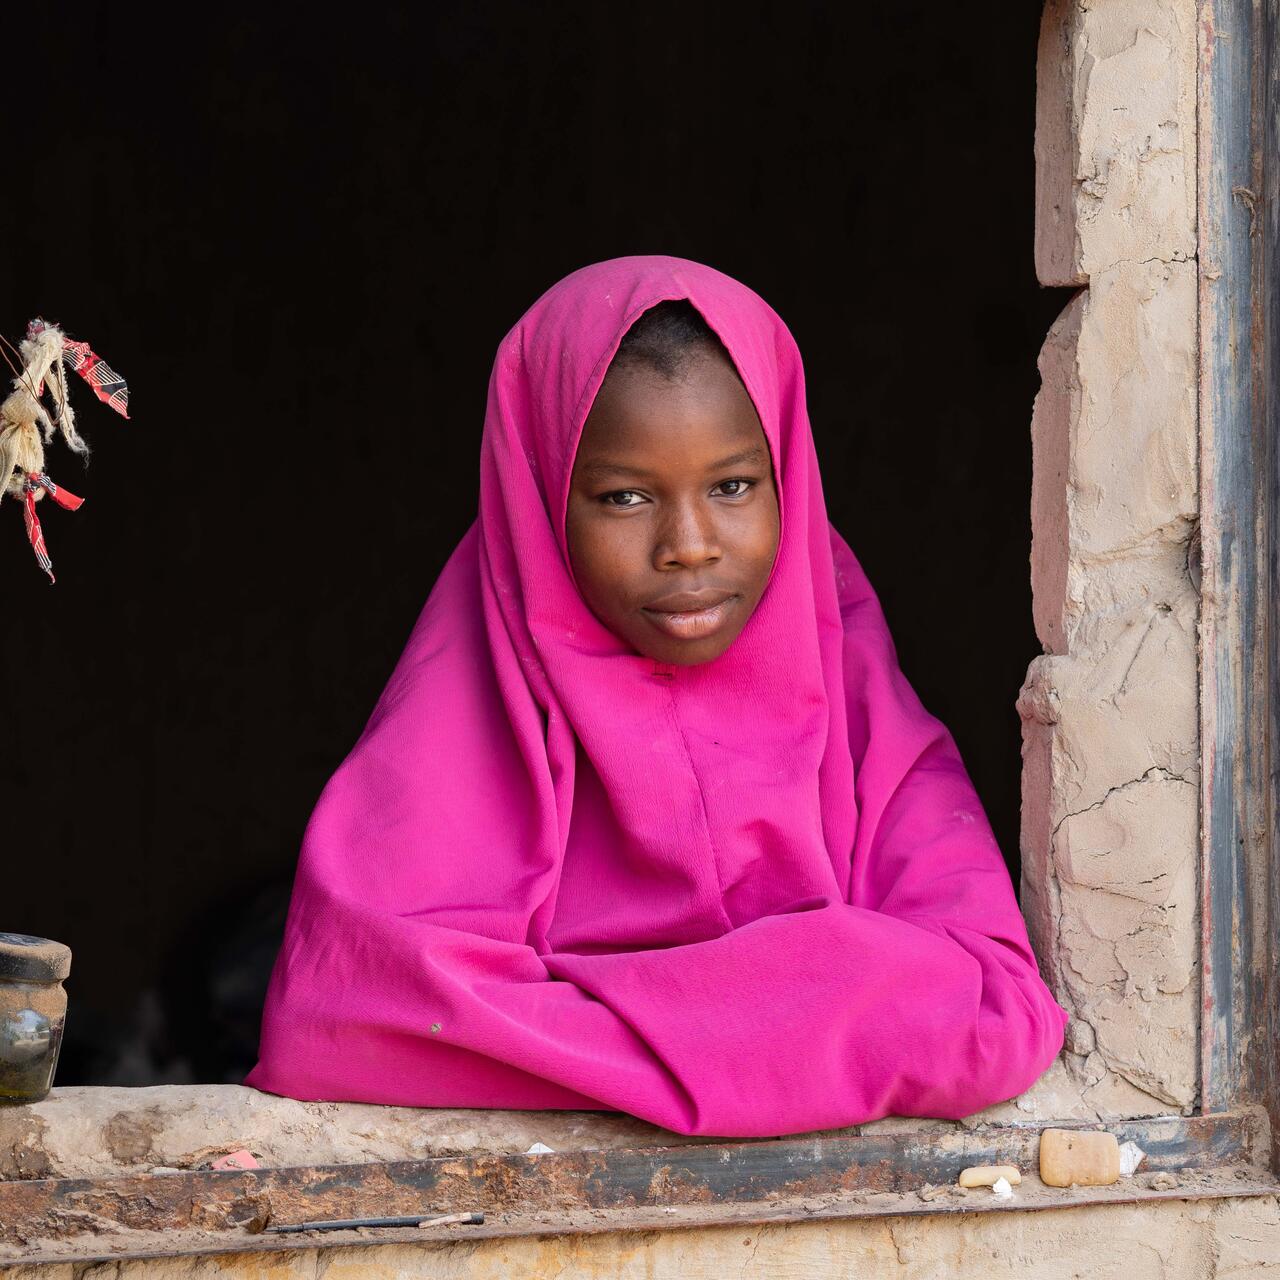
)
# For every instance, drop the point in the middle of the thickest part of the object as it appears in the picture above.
(599, 469)
(754, 455)
(611, 469)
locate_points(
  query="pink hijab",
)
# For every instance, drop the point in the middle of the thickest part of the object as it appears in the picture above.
(753, 897)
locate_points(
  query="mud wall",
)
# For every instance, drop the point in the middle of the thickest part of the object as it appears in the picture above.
(1171, 1240)
(1110, 831)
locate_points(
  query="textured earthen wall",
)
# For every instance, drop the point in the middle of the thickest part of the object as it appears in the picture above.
(1171, 1240)
(1110, 837)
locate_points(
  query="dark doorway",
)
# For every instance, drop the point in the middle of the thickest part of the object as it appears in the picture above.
(301, 244)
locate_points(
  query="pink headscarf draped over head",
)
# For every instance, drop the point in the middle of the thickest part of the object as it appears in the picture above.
(752, 897)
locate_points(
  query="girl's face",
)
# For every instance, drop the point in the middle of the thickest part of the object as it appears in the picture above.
(672, 521)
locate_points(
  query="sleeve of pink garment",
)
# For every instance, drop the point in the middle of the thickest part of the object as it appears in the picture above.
(752, 898)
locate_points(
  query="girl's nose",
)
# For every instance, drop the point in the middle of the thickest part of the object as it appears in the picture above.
(687, 539)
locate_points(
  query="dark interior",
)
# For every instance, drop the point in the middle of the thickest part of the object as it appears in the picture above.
(301, 244)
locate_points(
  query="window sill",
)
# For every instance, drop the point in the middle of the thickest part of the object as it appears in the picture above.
(80, 1186)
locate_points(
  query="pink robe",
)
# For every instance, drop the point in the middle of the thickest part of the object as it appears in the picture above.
(753, 897)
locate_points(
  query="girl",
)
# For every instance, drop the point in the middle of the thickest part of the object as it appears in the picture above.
(647, 818)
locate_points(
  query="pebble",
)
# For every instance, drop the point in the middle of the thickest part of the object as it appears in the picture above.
(987, 1175)
(241, 1158)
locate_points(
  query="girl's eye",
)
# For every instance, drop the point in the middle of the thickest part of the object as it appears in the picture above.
(741, 487)
(622, 498)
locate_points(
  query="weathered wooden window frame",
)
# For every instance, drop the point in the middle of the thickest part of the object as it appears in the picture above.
(1239, 308)
(793, 1179)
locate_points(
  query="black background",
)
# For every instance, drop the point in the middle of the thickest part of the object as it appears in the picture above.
(301, 244)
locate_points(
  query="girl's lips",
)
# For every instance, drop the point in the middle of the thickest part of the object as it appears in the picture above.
(690, 624)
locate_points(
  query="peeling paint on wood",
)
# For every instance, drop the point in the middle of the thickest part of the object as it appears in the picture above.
(1238, 660)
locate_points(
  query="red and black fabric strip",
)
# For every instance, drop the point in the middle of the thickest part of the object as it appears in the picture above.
(107, 384)
(35, 535)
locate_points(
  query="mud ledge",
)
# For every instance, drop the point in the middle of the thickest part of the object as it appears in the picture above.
(83, 1184)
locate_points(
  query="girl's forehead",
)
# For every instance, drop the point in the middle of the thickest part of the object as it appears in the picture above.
(639, 411)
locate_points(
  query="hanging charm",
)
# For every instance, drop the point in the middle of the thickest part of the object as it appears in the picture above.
(26, 424)
(35, 535)
(107, 385)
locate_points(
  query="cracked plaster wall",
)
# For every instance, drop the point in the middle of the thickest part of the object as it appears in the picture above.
(1110, 825)
(1168, 1240)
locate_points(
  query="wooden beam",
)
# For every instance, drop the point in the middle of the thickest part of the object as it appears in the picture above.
(782, 1179)
(1269, 385)
(1238, 665)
